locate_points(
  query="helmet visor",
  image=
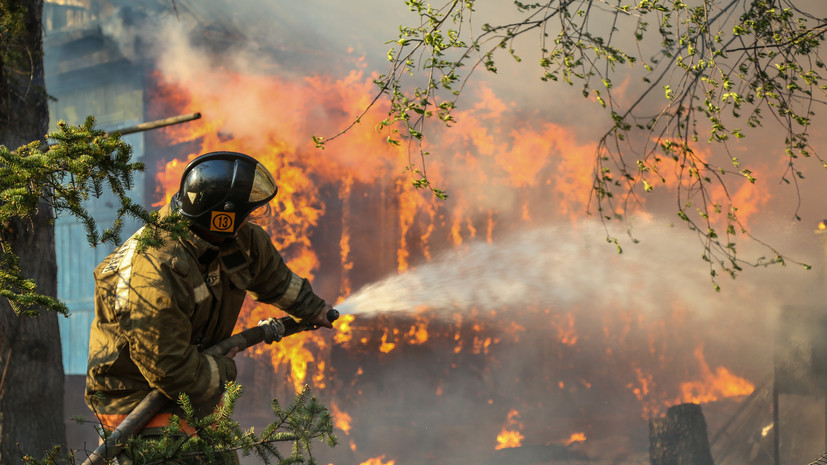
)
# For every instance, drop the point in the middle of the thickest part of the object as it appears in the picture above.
(264, 186)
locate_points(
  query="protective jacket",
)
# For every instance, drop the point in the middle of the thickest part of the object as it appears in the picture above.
(155, 311)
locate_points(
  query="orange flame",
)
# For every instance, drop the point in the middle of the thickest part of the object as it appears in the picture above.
(565, 331)
(342, 326)
(714, 386)
(341, 419)
(509, 439)
(386, 346)
(418, 334)
(746, 199)
(344, 242)
(510, 435)
(575, 437)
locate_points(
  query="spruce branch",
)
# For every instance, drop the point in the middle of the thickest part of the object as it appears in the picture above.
(287, 440)
(82, 162)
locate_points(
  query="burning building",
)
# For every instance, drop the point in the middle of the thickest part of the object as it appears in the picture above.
(489, 328)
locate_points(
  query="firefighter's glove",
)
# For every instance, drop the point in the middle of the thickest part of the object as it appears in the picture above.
(320, 318)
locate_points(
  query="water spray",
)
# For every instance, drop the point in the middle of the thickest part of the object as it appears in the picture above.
(551, 266)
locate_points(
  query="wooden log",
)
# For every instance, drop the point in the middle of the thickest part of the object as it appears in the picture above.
(147, 126)
(680, 438)
(161, 123)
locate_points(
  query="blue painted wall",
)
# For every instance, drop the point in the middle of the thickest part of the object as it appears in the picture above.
(76, 261)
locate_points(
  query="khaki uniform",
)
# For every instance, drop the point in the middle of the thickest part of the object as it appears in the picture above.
(156, 311)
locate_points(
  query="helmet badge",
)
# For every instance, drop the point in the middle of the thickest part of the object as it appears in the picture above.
(222, 221)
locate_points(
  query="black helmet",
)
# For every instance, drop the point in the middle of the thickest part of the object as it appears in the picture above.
(220, 189)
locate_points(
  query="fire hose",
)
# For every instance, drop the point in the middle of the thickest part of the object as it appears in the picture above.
(268, 331)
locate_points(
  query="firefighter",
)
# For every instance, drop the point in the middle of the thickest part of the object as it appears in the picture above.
(157, 310)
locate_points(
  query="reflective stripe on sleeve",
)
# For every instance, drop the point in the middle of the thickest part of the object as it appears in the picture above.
(201, 293)
(214, 381)
(292, 292)
(124, 268)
